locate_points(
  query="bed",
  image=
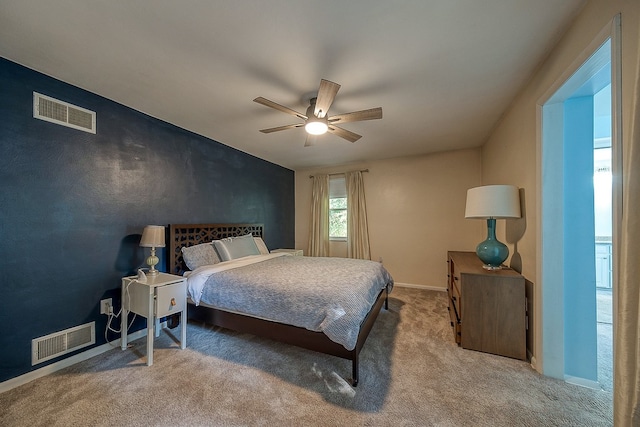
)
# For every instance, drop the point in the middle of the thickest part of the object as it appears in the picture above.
(268, 325)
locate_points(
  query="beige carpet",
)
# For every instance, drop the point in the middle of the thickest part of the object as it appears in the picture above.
(412, 374)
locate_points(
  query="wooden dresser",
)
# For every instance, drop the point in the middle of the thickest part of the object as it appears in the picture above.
(487, 308)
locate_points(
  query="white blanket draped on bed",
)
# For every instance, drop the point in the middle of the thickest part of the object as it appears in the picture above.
(331, 295)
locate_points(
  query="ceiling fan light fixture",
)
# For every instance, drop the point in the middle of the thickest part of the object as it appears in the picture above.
(316, 126)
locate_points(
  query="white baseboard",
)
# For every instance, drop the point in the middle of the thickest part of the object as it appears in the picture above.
(583, 382)
(64, 363)
(427, 287)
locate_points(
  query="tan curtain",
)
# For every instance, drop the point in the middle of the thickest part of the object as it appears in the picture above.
(357, 228)
(319, 224)
(626, 397)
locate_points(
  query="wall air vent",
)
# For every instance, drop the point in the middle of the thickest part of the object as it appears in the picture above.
(63, 113)
(63, 342)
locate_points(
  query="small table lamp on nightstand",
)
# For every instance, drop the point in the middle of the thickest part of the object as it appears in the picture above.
(152, 237)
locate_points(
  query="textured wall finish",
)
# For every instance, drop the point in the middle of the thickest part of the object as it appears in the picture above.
(73, 205)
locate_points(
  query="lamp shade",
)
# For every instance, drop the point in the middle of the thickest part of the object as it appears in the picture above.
(152, 237)
(493, 201)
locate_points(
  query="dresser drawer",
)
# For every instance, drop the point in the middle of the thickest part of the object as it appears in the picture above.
(453, 294)
(455, 298)
(454, 314)
(170, 299)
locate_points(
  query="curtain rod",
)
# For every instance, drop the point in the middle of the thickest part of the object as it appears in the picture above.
(342, 173)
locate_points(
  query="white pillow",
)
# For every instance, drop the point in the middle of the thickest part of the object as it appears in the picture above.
(261, 246)
(199, 255)
(236, 247)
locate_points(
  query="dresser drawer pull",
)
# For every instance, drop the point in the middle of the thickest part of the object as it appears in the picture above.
(173, 302)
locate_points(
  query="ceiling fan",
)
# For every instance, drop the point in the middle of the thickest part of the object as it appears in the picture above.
(315, 119)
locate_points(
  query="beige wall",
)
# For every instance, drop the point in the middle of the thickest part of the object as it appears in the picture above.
(510, 154)
(415, 209)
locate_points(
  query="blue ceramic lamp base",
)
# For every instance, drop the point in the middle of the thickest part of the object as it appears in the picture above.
(492, 252)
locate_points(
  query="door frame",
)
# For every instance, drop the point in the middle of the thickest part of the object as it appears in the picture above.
(549, 342)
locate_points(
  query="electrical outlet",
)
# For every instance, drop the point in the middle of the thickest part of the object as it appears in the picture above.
(106, 306)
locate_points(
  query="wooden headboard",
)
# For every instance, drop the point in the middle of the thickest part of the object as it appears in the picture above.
(193, 234)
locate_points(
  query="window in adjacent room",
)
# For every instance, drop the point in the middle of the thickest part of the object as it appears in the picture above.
(337, 208)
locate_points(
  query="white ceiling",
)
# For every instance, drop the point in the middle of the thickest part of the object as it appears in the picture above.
(442, 70)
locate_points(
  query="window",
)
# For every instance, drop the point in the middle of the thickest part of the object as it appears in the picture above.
(337, 208)
(338, 218)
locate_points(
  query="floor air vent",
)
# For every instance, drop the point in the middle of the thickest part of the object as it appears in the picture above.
(63, 113)
(59, 343)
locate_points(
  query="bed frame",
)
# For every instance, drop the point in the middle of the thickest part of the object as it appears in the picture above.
(192, 234)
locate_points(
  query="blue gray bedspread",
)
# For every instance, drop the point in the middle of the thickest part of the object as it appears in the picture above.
(331, 295)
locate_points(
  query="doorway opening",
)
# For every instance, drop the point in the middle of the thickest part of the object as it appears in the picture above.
(603, 216)
(578, 208)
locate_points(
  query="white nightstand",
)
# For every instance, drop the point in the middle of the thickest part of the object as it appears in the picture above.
(294, 252)
(161, 295)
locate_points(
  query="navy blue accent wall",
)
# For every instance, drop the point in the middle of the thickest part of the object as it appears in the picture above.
(73, 205)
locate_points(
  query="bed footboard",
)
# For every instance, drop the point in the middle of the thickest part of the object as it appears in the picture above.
(365, 328)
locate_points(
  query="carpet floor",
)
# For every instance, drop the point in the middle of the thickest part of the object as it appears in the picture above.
(411, 374)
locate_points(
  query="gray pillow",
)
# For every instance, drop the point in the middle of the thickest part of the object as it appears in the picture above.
(236, 247)
(199, 255)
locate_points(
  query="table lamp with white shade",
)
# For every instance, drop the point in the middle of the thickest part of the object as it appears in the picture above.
(152, 237)
(492, 202)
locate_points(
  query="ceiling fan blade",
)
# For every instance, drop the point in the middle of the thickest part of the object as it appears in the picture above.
(311, 140)
(357, 116)
(343, 133)
(264, 101)
(326, 94)
(276, 129)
